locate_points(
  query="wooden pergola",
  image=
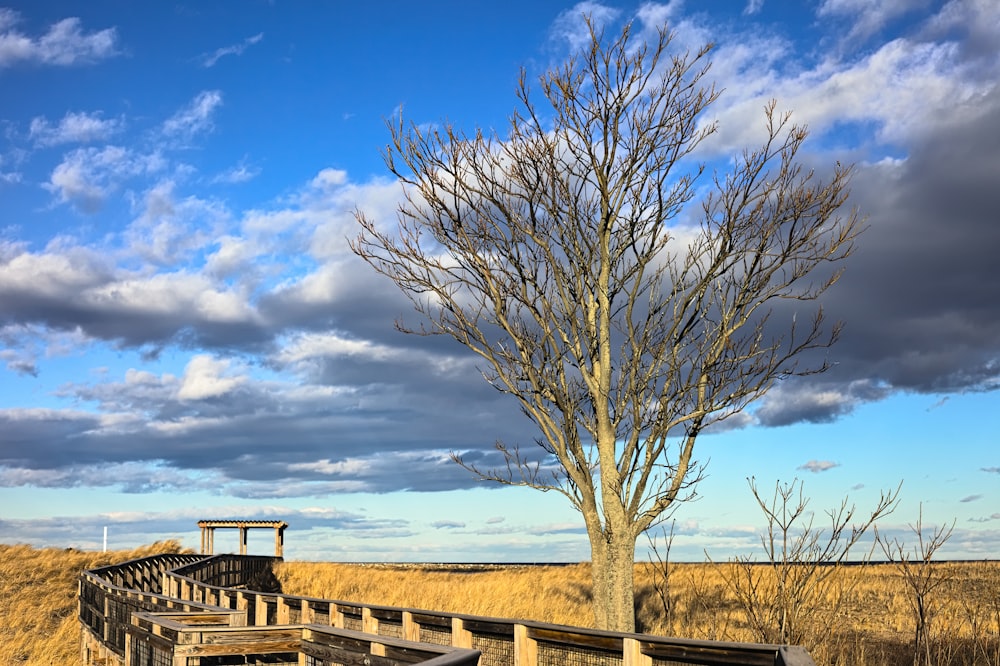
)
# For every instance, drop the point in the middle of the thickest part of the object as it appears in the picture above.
(208, 528)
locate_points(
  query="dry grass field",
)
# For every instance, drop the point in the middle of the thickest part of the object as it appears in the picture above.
(38, 609)
(862, 616)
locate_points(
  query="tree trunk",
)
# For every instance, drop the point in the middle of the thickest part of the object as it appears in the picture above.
(612, 572)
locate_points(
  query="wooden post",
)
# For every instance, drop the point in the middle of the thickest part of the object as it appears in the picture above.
(260, 617)
(336, 615)
(525, 648)
(284, 612)
(208, 528)
(128, 649)
(369, 623)
(306, 612)
(460, 636)
(242, 605)
(411, 630)
(279, 540)
(632, 653)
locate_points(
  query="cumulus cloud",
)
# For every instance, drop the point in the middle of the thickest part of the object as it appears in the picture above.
(570, 27)
(359, 407)
(73, 128)
(86, 176)
(169, 227)
(815, 402)
(866, 18)
(65, 43)
(132, 528)
(817, 466)
(206, 377)
(194, 118)
(900, 88)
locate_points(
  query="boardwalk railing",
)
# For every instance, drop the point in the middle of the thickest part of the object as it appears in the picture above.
(182, 610)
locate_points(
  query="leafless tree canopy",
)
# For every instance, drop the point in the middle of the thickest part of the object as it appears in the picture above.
(558, 253)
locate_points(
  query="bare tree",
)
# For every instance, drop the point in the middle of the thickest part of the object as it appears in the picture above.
(557, 254)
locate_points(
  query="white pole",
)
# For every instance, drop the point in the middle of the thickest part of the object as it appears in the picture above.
(105, 538)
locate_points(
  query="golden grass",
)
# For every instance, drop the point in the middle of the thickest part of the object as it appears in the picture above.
(873, 624)
(38, 607)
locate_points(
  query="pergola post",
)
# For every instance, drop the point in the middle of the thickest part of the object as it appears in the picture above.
(208, 528)
(279, 540)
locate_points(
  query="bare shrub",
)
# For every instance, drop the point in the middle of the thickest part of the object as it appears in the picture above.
(795, 594)
(922, 579)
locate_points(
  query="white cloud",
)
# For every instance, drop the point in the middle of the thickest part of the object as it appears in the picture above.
(206, 377)
(902, 88)
(356, 466)
(235, 49)
(309, 346)
(329, 178)
(86, 176)
(169, 228)
(234, 255)
(51, 274)
(196, 117)
(131, 477)
(570, 28)
(178, 294)
(65, 43)
(240, 173)
(867, 17)
(794, 401)
(73, 128)
(817, 466)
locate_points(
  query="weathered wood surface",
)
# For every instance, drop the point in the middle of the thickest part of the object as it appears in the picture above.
(187, 621)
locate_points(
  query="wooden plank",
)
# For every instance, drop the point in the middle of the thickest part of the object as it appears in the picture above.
(562, 636)
(410, 655)
(257, 647)
(505, 629)
(250, 637)
(346, 657)
(153, 639)
(442, 622)
(343, 642)
(720, 655)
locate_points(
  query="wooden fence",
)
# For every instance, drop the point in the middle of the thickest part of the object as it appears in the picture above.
(187, 610)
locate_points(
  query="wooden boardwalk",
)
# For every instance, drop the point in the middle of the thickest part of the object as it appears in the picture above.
(187, 610)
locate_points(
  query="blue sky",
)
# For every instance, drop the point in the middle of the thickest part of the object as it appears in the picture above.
(184, 333)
